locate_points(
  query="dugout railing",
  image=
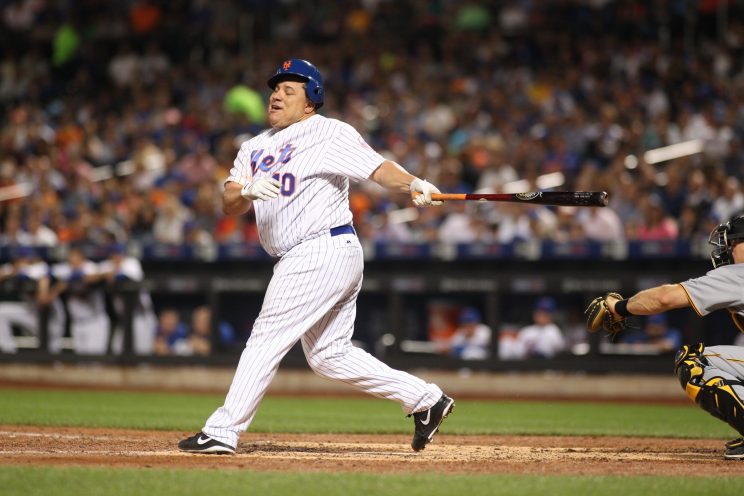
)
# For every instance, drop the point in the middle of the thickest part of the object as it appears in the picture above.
(395, 304)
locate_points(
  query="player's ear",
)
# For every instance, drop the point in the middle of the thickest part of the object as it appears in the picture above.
(309, 106)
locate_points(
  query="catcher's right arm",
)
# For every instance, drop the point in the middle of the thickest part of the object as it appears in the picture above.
(598, 315)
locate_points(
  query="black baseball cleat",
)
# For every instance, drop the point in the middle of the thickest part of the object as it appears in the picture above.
(201, 443)
(735, 449)
(427, 422)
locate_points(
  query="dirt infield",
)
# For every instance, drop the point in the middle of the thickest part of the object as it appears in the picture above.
(372, 453)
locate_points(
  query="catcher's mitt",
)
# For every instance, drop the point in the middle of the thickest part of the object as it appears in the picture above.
(598, 315)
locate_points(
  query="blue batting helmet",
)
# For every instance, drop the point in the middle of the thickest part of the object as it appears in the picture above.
(306, 71)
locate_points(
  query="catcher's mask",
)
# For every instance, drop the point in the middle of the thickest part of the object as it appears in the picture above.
(723, 238)
(305, 71)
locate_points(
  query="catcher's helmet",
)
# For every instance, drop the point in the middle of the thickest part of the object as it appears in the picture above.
(723, 237)
(305, 70)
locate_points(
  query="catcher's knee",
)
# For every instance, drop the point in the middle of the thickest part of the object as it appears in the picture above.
(689, 363)
(717, 397)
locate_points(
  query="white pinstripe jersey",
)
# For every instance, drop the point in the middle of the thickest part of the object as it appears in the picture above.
(314, 160)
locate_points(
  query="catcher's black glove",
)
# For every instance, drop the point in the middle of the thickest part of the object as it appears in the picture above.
(598, 315)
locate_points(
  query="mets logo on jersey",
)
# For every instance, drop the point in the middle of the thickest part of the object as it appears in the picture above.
(287, 64)
(265, 163)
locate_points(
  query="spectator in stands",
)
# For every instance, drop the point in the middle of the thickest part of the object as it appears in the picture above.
(472, 338)
(625, 200)
(567, 227)
(513, 223)
(200, 337)
(601, 224)
(172, 334)
(689, 222)
(198, 166)
(27, 279)
(38, 233)
(13, 234)
(86, 302)
(543, 338)
(656, 333)
(656, 224)
(673, 194)
(170, 221)
(510, 348)
(731, 200)
(117, 269)
(143, 94)
(462, 226)
(122, 67)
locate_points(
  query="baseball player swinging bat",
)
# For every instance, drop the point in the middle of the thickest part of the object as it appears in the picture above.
(558, 198)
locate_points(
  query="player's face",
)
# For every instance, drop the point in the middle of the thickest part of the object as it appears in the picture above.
(75, 258)
(288, 104)
(737, 252)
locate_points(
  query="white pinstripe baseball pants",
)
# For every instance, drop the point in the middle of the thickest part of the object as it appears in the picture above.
(312, 297)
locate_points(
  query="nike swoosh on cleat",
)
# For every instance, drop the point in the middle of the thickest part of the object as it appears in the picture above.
(201, 441)
(428, 417)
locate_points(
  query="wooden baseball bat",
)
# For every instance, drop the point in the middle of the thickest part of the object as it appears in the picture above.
(558, 198)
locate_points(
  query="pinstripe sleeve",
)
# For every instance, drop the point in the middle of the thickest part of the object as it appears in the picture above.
(241, 170)
(350, 156)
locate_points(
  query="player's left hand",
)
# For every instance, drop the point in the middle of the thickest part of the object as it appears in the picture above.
(264, 188)
(600, 316)
(426, 189)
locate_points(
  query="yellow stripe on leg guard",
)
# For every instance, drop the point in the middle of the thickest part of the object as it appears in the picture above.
(731, 392)
(692, 391)
(690, 374)
(718, 398)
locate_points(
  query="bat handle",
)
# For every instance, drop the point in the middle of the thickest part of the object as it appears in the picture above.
(447, 196)
(439, 196)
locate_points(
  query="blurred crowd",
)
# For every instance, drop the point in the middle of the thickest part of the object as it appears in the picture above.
(120, 121)
(88, 307)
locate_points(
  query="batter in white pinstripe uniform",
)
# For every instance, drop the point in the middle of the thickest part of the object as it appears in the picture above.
(296, 176)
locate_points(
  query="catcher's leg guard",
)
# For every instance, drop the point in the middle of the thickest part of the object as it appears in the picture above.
(688, 365)
(718, 398)
(716, 395)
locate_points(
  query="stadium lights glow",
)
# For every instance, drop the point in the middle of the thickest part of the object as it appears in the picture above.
(545, 181)
(552, 180)
(631, 162)
(403, 215)
(520, 186)
(123, 168)
(671, 152)
(101, 173)
(20, 190)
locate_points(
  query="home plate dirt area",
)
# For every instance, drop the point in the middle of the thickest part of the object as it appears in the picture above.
(371, 453)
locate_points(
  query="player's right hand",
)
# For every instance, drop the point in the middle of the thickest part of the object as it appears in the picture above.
(426, 189)
(264, 188)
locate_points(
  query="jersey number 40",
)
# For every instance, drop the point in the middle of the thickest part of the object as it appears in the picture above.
(288, 183)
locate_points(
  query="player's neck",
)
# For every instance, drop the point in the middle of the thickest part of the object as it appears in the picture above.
(304, 117)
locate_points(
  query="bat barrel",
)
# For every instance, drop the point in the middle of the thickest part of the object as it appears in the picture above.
(557, 198)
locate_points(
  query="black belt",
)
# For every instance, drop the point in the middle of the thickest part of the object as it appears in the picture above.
(347, 229)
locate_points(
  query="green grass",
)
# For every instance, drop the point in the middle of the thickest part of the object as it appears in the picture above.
(186, 412)
(163, 411)
(75, 481)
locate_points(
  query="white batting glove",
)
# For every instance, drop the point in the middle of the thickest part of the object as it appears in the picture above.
(264, 188)
(426, 189)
